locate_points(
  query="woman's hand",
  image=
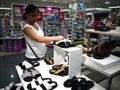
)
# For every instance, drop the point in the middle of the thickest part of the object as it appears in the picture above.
(57, 38)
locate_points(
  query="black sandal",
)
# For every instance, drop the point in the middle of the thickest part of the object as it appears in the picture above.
(59, 72)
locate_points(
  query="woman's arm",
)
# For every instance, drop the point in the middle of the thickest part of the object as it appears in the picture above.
(42, 39)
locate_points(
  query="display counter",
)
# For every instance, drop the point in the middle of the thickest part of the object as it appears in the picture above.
(44, 70)
(109, 66)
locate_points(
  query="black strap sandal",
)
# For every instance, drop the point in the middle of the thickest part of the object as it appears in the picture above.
(27, 76)
(29, 87)
(34, 63)
(68, 83)
(11, 86)
(88, 84)
(35, 73)
(53, 84)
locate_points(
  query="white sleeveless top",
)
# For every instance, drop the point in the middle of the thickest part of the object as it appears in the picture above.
(39, 48)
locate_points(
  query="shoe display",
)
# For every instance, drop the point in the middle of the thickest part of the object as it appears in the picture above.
(60, 70)
(27, 76)
(64, 43)
(78, 83)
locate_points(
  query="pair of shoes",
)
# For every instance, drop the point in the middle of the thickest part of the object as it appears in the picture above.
(28, 64)
(34, 63)
(85, 44)
(60, 70)
(13, 86)
(58, 66)
(49, 60)
(78, 83)
(29, 74)
(99, 52)
(29, 87)
(64, 43)
(46, 83)
(42, 84)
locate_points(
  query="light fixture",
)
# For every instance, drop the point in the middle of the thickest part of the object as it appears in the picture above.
(12, 76)
(43, 0)
(65, 1)
(55, 1)
(5, 8)
(114, 7)
(107, 2)
(99, 9)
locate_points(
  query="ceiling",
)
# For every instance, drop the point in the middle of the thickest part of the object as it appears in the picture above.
(63, 3)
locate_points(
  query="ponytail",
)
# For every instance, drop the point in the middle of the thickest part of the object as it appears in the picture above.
(24, 17)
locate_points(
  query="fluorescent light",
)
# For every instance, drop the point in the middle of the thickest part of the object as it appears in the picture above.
(65, 10)
(55, 1)
(107, 2)
(5, 8)
(99, 9)
(115, 7)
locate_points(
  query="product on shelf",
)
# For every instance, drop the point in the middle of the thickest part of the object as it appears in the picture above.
(60, 70)
(78, 83)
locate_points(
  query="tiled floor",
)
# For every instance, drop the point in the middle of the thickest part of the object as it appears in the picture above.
(8, 61)
(7, 68)
(101, 79)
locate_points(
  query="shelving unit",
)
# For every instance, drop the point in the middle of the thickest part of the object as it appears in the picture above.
(65, 28)
(52, 27)
(11, 31)
(77, 28)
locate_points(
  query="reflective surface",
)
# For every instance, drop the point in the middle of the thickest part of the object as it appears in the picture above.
(8, 71)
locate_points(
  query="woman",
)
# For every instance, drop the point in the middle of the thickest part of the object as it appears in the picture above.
(34, 34)
(107, 22)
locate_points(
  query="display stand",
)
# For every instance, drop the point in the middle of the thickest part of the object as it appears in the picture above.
(74, 59)
(110, 72)
(115, 33)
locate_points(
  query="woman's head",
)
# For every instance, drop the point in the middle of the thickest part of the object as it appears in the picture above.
(31, 12)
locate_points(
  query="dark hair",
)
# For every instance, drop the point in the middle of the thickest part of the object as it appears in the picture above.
(29, 9)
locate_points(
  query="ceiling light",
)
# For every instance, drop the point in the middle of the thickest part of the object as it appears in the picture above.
(99, 9)
(5, 8)
(114, 7)
(43, 0)
(107, 2)
(55, 1)
(65, 1)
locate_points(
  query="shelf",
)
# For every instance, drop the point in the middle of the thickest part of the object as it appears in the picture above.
(111, 68)
(111, 32)
(105, 63)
